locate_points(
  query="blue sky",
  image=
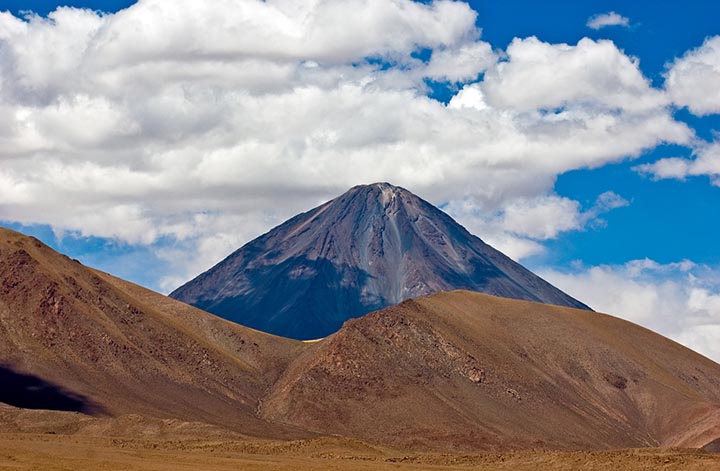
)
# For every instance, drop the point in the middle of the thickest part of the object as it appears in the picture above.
(668, 220)
(657, 238)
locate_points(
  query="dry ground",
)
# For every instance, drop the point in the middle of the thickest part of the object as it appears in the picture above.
(50, 452)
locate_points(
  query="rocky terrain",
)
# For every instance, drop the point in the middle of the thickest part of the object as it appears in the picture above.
(454, 372)
(463, 370)
(96, 344)
(370, 248)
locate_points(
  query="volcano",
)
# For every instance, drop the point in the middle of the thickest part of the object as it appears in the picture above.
(372, 247)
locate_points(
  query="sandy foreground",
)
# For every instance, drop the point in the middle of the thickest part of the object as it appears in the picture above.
(21, 451)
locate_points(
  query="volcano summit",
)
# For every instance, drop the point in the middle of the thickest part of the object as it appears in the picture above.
(372, 247)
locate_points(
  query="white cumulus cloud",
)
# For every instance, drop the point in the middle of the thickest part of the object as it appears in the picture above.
(607, 19)
(693, 80)
(194, 121)
(706, 162)
(519, 227)
(591, 74)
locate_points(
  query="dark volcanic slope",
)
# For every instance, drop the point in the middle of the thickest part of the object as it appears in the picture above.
(72, 338)
(372, 247)
(467, 370)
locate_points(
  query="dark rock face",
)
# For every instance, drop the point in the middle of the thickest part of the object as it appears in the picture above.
(372, 247)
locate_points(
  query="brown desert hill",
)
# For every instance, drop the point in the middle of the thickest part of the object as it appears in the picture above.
(454, 370)
(73, 338)
(467, 370)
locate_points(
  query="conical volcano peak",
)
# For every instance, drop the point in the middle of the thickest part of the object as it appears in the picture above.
(380, 192)
(379, 186)
(371, 247)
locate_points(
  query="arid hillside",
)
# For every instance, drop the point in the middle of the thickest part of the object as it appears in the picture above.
(77, 339)
(467, 370)
(454, 371)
